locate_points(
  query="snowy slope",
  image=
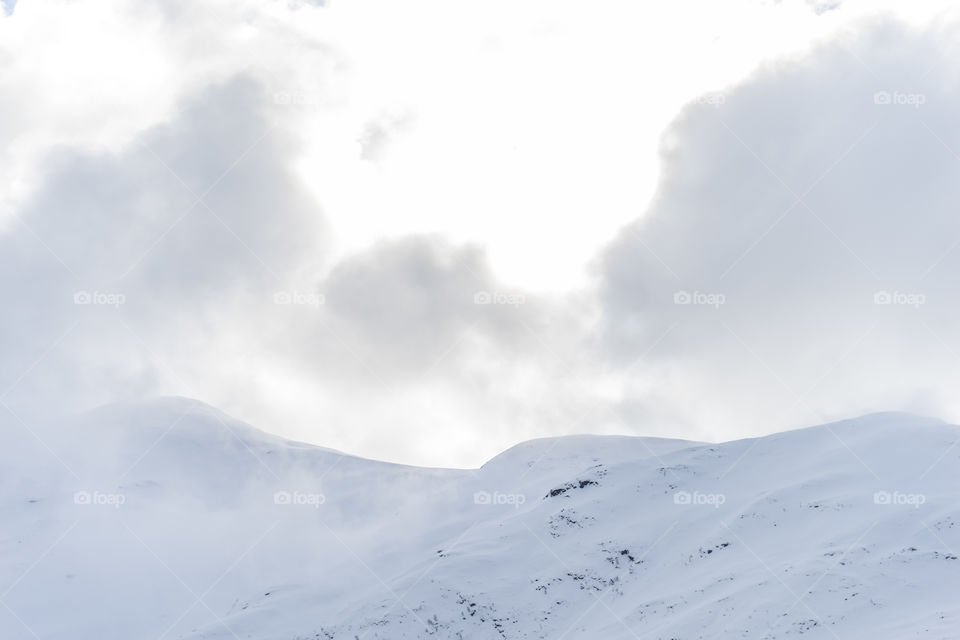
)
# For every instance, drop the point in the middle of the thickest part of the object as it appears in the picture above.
(169, 519)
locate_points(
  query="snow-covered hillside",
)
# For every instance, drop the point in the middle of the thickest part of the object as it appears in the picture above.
(170, 520)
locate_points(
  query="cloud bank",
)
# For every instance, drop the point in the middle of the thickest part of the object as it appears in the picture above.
(796, 263)
(808, 226)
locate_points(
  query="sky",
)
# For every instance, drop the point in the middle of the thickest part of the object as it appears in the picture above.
(426, 231)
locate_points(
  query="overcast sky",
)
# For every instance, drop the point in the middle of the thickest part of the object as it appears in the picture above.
(425, 231)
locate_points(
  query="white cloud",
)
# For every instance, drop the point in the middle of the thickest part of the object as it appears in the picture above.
(399, 158)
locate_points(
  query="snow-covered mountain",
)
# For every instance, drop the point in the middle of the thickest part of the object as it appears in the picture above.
(170, 520)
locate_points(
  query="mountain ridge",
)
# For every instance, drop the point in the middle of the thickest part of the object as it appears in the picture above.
(215, 531)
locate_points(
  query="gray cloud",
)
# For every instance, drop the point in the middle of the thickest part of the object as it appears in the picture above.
(418, 345)
(815, 185)
(406, 303)
(797, 198)
(379, 133)
(184, 296)
(191, 217)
